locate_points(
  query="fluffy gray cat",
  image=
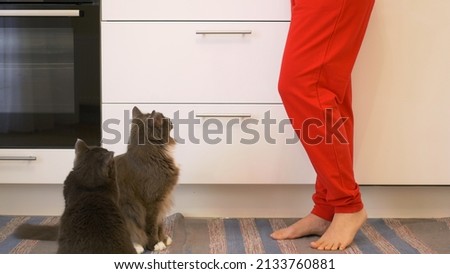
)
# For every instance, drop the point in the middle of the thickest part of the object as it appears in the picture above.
(147, 174)
(92, 222)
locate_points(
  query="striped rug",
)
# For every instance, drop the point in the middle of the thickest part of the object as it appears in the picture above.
(251, 236)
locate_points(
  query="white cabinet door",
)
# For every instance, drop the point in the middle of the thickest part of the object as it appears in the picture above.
(401, 95)
(223, 144)
(35, 166)
(150, 62)
(254, 10)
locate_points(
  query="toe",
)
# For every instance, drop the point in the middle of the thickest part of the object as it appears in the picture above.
(159, 246)
(168, 241)
(316, 244)
(139, 248)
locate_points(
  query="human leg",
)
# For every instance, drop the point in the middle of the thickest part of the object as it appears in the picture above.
(322, 45)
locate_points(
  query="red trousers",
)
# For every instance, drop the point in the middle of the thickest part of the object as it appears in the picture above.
(315, 86)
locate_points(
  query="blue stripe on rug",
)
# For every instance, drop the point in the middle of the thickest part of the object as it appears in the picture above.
(390, 235)
(265, 229)
(365, 245)
(233, 236)
(4, 220)
(11, 241)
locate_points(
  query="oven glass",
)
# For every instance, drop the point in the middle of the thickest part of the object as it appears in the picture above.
(50, 79)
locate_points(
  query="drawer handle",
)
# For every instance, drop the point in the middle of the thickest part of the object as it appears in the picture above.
(18, 158)
(225, 32)
(39, 13)
(223, 115)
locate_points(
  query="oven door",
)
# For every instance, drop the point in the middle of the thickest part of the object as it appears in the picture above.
(49, 74)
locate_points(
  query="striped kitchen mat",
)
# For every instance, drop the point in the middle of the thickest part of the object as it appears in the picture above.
(251, 236)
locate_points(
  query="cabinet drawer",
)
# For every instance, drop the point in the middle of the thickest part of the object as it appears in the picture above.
(35, 166)
(152, 62)
(223, 144)
(196, 10)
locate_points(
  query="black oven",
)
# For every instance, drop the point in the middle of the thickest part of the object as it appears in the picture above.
(49, 73)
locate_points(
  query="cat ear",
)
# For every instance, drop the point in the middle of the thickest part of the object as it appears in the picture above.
(136, 112)
(108, 169)
(81, 146)
(110, 156)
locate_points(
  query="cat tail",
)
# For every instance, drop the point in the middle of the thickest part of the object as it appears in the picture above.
(37, 232)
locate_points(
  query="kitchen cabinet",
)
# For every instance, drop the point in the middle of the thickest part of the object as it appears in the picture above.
(196, 10)
(35, 166)
(401, 95)
(156, 56)
(212, 63)
(192, 62)
(49, 87)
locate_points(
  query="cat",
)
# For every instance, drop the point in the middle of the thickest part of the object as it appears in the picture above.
(92, 221)
(146, 175)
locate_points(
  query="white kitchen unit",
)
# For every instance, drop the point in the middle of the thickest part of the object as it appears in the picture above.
(401, 95)
(196, 10)
(35, 166)
(216, 61)
(192, 62)
(401, 101)
(219, 57)
(49, 88)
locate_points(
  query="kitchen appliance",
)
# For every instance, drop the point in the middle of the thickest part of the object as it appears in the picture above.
(49, 74)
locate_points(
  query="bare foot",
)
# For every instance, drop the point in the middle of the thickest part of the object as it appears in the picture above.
(341, 232)
(310, 225)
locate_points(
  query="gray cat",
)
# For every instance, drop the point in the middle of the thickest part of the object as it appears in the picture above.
(92, 221)
(147, 174)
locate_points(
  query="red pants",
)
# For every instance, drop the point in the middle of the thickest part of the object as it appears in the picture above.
(315, 85)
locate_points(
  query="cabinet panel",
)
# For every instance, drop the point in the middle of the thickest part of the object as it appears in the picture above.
(401, 95)
(223, 144)
(196, 10)
(35, 166)
(189, 62)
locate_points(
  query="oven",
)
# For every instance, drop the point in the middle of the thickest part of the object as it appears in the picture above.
(49, 75)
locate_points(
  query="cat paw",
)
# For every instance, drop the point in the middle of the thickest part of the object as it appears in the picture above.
(159, 246)
(168, 241)
(139, 248)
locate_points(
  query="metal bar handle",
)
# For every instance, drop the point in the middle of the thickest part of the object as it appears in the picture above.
(239, 32)
(40, 13)
(18, 158)
(223, 115)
